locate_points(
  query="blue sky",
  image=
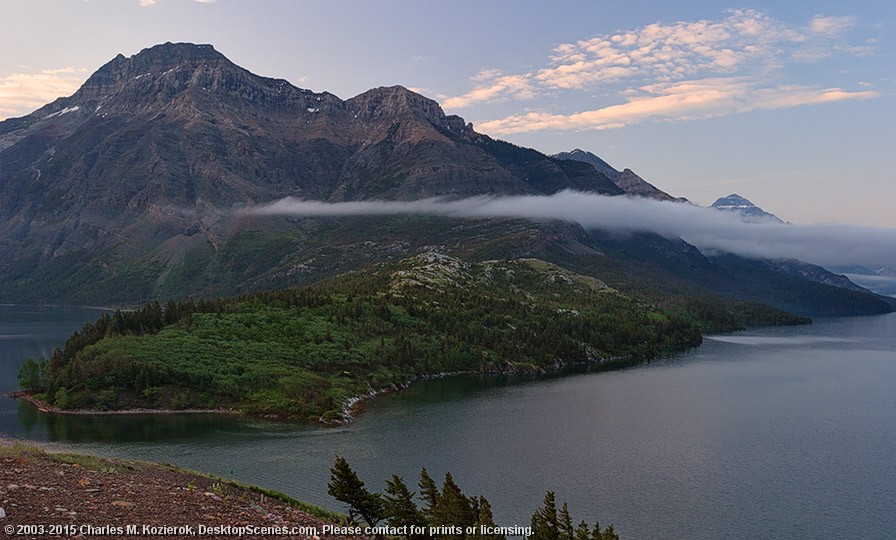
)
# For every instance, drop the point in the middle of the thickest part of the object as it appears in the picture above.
(789, 104)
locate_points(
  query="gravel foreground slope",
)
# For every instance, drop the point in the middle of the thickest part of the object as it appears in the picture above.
(50, 495)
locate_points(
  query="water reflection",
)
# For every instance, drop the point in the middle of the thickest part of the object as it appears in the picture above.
(125, 428)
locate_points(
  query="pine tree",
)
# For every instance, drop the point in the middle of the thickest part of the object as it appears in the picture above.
(582, 531)
(453, 508)
(609, 533)
(485, 519)
(545, 524)
(429, 492)
(399, 505)
(567, 532)
(346, 487)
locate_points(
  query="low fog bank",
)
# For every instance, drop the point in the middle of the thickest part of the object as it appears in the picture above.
(706, 228)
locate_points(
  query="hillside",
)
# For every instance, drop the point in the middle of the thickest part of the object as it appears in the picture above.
(52, 490)
(303, 353)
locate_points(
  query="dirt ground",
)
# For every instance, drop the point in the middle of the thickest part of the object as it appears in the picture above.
(44, 495)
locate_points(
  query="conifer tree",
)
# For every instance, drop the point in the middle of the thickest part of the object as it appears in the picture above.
(429, 492)
(401, 510)
(567, 532)
(582, 531)
(485, 519)
(545, 524)
(346, 487)
(609, 533)
(453, 508)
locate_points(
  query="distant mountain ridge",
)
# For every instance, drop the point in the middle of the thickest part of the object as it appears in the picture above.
(626, 179)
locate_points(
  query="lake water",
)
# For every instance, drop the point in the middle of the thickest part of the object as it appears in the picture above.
(770, 433)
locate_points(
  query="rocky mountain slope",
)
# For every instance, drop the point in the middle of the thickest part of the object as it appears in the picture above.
(153, 150)
(626, 179)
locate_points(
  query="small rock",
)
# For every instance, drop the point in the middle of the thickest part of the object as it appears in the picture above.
(125, 504)
(61, 509)
(12, 486)
(2, 513)
(92, 490)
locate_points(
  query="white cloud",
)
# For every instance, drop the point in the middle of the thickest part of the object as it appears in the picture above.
(831, 26)
(493, 84)
(676, 71)
(687, 100)
(705, 228)
(21, 93)
(664, 52)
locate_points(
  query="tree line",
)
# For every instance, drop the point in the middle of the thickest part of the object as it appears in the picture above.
(446, 513)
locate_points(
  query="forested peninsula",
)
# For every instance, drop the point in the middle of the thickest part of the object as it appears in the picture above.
(303, 354)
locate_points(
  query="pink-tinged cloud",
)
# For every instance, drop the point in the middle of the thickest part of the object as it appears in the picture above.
(688, 100)
(831, 26)
(745, 43)
(21, 93)
(492, 85)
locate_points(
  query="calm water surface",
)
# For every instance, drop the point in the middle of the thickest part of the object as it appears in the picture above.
(772, 433)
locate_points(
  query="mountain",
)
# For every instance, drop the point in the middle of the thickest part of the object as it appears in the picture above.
(146, 159)
(748, 211)
(880, 279)
(130, 190)
(627, 180)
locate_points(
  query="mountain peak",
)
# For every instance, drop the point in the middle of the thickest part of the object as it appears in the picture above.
(588, 157)
(627, 180)
(748, 211)
(388, 101)
(155, 60)
(166, 55)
